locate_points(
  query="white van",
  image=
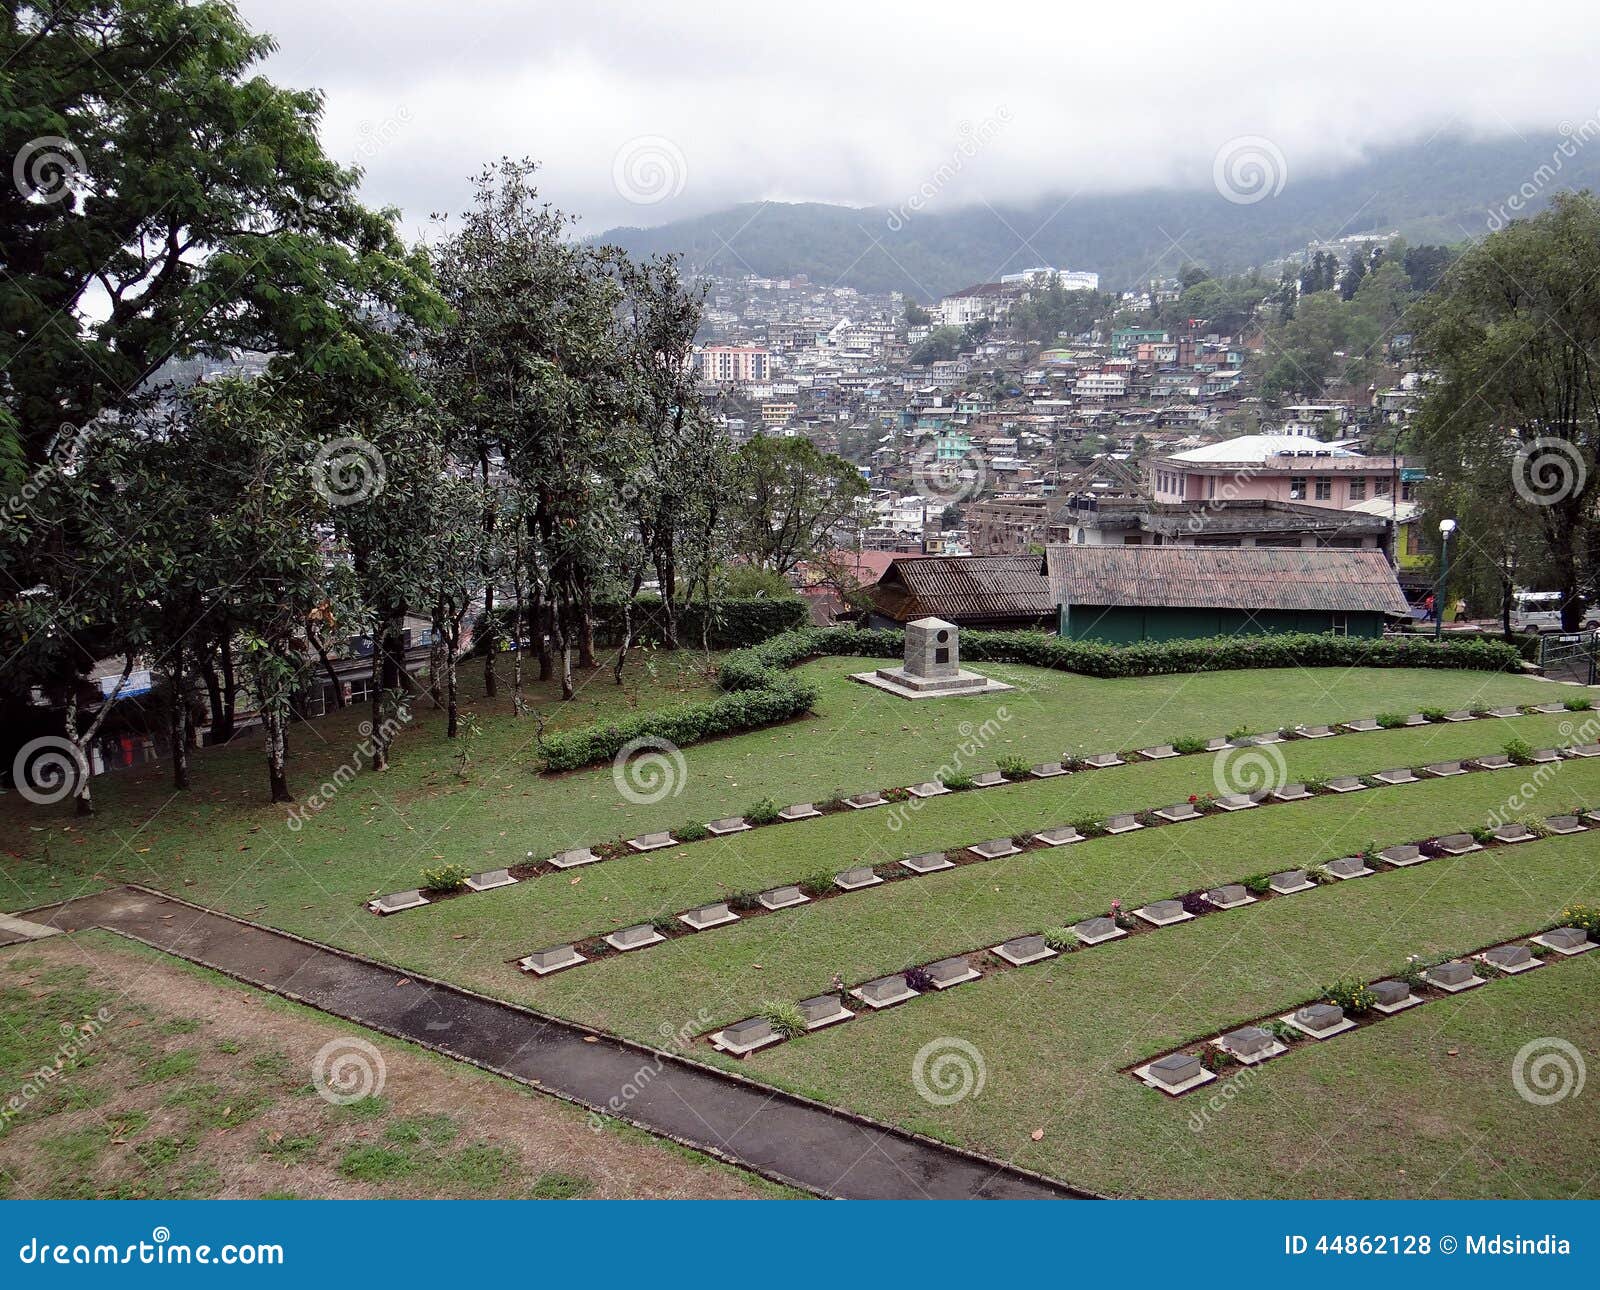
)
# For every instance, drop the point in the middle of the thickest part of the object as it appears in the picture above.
(1540, 611)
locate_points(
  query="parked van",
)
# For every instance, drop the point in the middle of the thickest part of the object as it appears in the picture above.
(1540, 611)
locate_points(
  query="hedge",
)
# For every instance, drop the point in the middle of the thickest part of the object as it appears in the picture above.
(758, 689)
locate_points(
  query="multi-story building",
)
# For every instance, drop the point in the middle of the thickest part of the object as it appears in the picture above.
(734, 364)
(1276, 467)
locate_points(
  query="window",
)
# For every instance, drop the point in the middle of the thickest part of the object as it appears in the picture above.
(1380, 487)
(1324, 490)
(1407, 491)
(1297, 488)
(1358, 488)
(1339, 625)
(1136, 539)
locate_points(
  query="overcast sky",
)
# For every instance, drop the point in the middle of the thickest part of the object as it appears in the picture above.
(643, 113)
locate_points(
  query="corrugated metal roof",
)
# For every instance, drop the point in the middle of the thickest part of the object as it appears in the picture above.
(1248, 578)
(964, 587)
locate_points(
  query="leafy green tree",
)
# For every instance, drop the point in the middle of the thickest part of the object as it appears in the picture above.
(789, 499)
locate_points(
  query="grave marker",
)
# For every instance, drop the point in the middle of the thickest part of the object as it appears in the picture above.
(1230, 895)
(1160, 913)
(652, 841)
(885, 992)
(931, 789)
(733, 824)
(489, 879)
(1122, 824)
(1290, 881)
(823, 1010)
(1455, 975)
(952, 971)
(929, 862)
(1059, 837)
(1023, 950)
(783, 897)
(745, 1036)
(1348, 867)
(1346, 784)
(1091, 931)
(1566, 940)
(860, 876)
(1399, 775)
(554, 959)
(396, 901)
(634, 938)
(714, 915)
(1457, 844)
(1048, 770)
(575, 857)
(1402, 856)
(995, 848)
(799, 811)
(1512, 958)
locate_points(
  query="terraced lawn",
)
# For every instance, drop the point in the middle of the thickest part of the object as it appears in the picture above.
(1339, 1118)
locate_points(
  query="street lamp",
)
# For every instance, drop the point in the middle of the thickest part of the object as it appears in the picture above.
(1446, 528)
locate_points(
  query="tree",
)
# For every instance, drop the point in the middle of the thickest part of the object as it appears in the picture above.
(940, 344)
(1513, 334)
(789, 498)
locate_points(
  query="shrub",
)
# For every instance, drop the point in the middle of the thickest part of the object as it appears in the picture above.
(1578, 703)
(1014, 767)
(956, 780)
(1435, 714)
(666, 924)
(1281, 1030)
(691, 831)
(1060, 938)
(785, 1018)
(763, 812)
(1584, 916)
(896, 795)
(1239, 732)
(1196, 904)
(1091, 826)
(1319, 874)
(918, 979)
(743, 902)
(1258, 883)
(1216, 1059)
(1351, 994)
(1518, 750)
(1189, 744)
(1481, 833)
(817, 884)
(445, 877)
(1391, 720)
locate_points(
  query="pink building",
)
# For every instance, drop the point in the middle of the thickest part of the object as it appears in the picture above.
(738, 364)
(1277, 468)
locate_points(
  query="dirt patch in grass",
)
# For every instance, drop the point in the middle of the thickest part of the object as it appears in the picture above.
(168, 1081)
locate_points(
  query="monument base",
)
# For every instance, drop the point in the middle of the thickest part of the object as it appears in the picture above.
(896, 680)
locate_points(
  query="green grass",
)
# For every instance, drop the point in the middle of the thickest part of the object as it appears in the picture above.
(1333, 1119)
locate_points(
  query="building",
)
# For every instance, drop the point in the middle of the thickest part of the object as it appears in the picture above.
(1003, 592)
(734, 364)
(1008, 525)
(1122, 594)
(981, 302)
(1276, 467)
(1252, 522)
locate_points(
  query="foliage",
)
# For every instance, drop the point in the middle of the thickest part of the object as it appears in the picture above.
(817, 884)
(786, 1019)
(1352, 994)
(1584, 916)
(1189, 744)
(1578, 703)
(691, 831)
(1060, 939)
(919, 979)
(956, 780)
(1014, 767)
(764, 811)
(445, 877)
(1518, 750)
(789, 497)
(1391, 720)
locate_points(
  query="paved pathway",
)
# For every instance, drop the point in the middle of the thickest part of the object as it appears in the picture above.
(773, 1133)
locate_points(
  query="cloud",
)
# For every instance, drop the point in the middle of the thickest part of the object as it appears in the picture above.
(860, 104)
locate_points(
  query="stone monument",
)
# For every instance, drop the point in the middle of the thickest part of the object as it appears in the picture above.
(932, 666)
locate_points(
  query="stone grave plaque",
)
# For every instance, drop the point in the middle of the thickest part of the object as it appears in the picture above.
(1092, 930)
(1319, 1017)
(1023, 950)
(995, 848)
(553, 959)
(1290, 880)
(1048, 770)
(713, 915)
(1290, 792)
(1315, 732)
(1229, 895)
(746, 1036)
(1348, 867)
(1216, 744)
(928, 862)
(1399, 775)
(1416, 719)
(1059, 837)
(1514, 833)
(1362, 726)
(1492, 761)
(733, 824)
(396, 901)
(1159, 753)
(1235, 802)
(885, 990)
(573, 858)
(1176, 1070)
(988, 779)
(864, 801)
(1461, 714)
(1505, 712)
(783, 897)
(1403, 855)
(1389, 993)
(799, 811)
(952, 971)
(1584, 750)
(1122, 824)
(933, 788)
(1178, 812)
(634, 938)
(860, 876)
(823, 1010)
(1567, 939)
(1548, 709)
(1457, 844)
(1544, 756)
(1562, 824)
(1100, 761)
(1247, 1041)
(1162, 912)
(489, 879)
(1452, 975)
(1346, 784)
(652, 841)
(1444, 769)
(1510, 958)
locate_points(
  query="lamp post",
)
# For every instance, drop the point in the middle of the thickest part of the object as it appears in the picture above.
(1446, 528)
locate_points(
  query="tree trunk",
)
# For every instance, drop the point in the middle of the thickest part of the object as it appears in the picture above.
(627, 626)
(224, 731)
(560, 622)
(491, 645)
(452, 694)
(327, 667)
(586, 659)
(208, 675)
(519, 632)
(178, 726)
(277, 754)
(380, 749)
(667, 579)
(437, 657)
(542, 618)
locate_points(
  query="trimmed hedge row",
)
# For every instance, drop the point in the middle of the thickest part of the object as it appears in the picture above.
(759, 689)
